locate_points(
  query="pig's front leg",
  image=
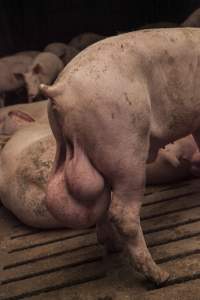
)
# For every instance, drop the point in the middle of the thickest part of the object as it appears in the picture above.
(125, 214)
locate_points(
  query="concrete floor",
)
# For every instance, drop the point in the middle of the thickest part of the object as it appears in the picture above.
(69, 264)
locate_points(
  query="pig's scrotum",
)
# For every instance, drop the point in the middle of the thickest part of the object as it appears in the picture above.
(79, 203)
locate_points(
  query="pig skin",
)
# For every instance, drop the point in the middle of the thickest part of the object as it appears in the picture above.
(25, 163)
(10, 123)
(44, 69)
(175, 162)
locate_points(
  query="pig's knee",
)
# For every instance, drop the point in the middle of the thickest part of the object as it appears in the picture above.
(126, 221)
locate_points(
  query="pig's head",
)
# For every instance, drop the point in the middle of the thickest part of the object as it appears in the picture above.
(77, 194)
(32, 80)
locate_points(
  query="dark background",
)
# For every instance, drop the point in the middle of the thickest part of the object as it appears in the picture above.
(32, 24)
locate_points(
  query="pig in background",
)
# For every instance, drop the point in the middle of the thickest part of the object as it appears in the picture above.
(193, 20)
(63, 51)
(84, 40)
(10, 66)
(44, 69)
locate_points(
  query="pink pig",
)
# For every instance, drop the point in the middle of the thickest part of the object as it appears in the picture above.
(112, 108)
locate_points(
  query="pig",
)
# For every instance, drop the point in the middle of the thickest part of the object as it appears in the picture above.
(27, 158)
(63, 51)
(10, 67)
(44, 69)
(158, 25)
(30, 53)
(111, 109)
(25, 162)
(17, 116)
(193, 20)
(176, 161)
(84, 40)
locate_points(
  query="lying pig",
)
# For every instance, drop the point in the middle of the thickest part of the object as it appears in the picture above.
(112, 108)
(63, 51)
(25, 162)
(10, 67)
(44, 69)
(176, 161)
(17, 116)
(84, 40)
(193, 20)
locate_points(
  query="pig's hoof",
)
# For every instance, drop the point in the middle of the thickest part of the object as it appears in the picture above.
(161, 278)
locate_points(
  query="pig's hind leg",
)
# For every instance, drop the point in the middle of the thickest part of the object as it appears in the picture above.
(127, 179)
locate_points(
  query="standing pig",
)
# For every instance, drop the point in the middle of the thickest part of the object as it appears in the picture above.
(44, 69)
(63, 51)
(84, 40)
(112, 108)
(193, 20)
(10, 67)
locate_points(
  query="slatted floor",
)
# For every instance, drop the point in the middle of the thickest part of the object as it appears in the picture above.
(69, 264)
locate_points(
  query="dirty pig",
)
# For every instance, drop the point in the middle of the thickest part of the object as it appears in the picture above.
(111, 109)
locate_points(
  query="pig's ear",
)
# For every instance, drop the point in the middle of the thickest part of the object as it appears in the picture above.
(37, 69)
(19, 76)
(19, 116)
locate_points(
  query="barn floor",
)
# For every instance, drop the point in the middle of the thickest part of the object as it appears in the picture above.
(68, 264)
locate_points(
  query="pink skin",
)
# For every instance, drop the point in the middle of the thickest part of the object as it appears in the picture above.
(112, 108)
(175, 162)
(14, 117)
(87, 200)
